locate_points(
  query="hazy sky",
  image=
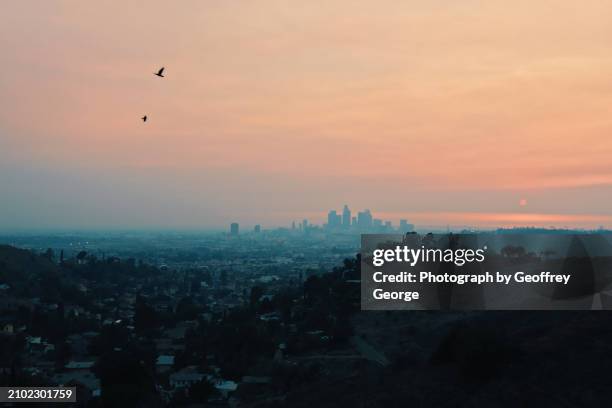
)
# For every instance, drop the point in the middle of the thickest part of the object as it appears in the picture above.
(440, 110)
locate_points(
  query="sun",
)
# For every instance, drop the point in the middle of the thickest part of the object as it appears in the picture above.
(523, 202)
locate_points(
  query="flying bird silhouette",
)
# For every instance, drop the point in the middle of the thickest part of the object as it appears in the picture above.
(160, 73)
(144, 118)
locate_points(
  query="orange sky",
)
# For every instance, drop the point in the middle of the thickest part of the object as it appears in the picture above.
(421, 107)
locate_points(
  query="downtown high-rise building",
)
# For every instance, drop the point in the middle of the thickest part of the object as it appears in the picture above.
(364, 220)
(234, 228)
(333, 220)
(346, 217)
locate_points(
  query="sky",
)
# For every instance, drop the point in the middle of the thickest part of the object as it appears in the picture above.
(468, 113)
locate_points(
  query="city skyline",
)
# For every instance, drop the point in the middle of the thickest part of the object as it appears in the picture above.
(421, 221)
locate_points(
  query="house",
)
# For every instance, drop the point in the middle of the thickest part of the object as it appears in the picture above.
(270, 317)
(186, 377)
(7, 328)
(88, 385)
(225, 387)
(78, 344)
(178, 332)
(164, 363)
(79, 366)
(249, 379)
(252, 386)
(44, 366)
(34, 343)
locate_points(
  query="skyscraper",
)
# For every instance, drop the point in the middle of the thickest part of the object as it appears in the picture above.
(364, 220)
(234, 228)
(257, 228)
(346, 217)
(333, 220)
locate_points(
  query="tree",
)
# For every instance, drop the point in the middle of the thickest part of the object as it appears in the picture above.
(49, 254)
(146, 317)
(63, 352)
(110, 337)
(256, 293)
(201, 391)
(187, 309)
(125, 382)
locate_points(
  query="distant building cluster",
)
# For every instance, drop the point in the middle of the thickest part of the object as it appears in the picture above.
(364, 221)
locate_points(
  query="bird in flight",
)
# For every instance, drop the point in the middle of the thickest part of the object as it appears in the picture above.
(144, 118)
(160, 73)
